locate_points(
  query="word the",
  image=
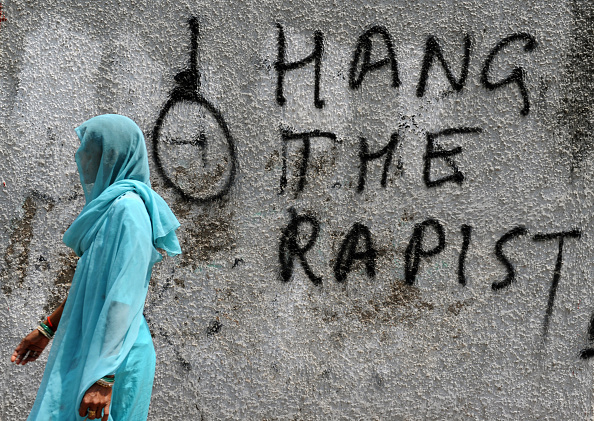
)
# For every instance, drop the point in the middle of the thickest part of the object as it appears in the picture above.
(432, 153)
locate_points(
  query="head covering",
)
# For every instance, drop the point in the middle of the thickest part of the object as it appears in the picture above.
(112, 149)
(112, 160)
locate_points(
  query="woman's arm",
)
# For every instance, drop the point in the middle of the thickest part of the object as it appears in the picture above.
(35, 342)
(54, 318)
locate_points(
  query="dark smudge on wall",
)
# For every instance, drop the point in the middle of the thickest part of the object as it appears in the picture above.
(576, 111)
(59, 291)
(16, 256)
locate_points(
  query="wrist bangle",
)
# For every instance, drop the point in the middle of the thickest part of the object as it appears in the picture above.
(105, 383)
(44, 333)
(47, 329)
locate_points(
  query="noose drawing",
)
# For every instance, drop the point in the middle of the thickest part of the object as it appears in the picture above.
(186, 121)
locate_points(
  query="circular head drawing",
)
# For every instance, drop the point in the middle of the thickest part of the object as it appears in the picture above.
(195, 149)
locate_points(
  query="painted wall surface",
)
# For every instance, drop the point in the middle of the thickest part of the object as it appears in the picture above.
(385, 205)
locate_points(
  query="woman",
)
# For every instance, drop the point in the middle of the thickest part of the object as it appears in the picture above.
(102, 362)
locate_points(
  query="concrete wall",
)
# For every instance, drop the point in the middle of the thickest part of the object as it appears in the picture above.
(384, 243)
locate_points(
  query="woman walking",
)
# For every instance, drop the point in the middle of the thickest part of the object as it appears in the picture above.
(102, 362)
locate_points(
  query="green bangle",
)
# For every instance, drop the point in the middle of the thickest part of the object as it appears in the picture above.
(44, 333)
(108, 379)
(47, 329)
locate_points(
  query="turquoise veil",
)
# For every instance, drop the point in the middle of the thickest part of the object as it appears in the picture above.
(116, 236)
(112, 160)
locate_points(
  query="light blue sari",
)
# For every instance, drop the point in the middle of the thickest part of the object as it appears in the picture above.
(102, 330)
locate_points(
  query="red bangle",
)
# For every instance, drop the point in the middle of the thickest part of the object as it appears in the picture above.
(49, 322)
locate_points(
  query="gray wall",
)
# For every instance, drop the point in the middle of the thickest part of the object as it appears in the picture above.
(243, 328)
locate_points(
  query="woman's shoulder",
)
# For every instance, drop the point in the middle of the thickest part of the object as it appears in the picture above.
(130, 195)
(129, 206)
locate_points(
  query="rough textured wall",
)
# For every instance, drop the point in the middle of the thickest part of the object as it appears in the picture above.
(385, 205)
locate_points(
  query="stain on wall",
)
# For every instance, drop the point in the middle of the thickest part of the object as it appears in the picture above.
(404, 303)
(59, 291)
(16, 255)
(205, 237)
(576, 108)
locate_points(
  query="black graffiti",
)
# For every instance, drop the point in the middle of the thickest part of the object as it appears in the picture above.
(365, 156)
(432, 52)
(415, 251)
(362, 63)
(348, 253)
(364, 47)
(358, 246)
(434, 152)
(305, 138)
(466, 231)
(199, 140)
(560, 236)
(282, 67)
(187, 91)
(289, 248)
(517, 75)
(589, 352)
(511, 273)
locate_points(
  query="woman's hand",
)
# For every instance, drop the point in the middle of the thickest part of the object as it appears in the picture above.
(95, 400)
(30, 348)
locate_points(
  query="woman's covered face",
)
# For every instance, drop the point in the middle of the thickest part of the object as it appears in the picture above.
(89, 157)
(112, 149)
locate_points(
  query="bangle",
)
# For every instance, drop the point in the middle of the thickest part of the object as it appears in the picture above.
(44, 333)
(50, 324)
(47, 329)
(105, 381)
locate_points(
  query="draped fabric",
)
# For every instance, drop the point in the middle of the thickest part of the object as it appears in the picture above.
(102, 330)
